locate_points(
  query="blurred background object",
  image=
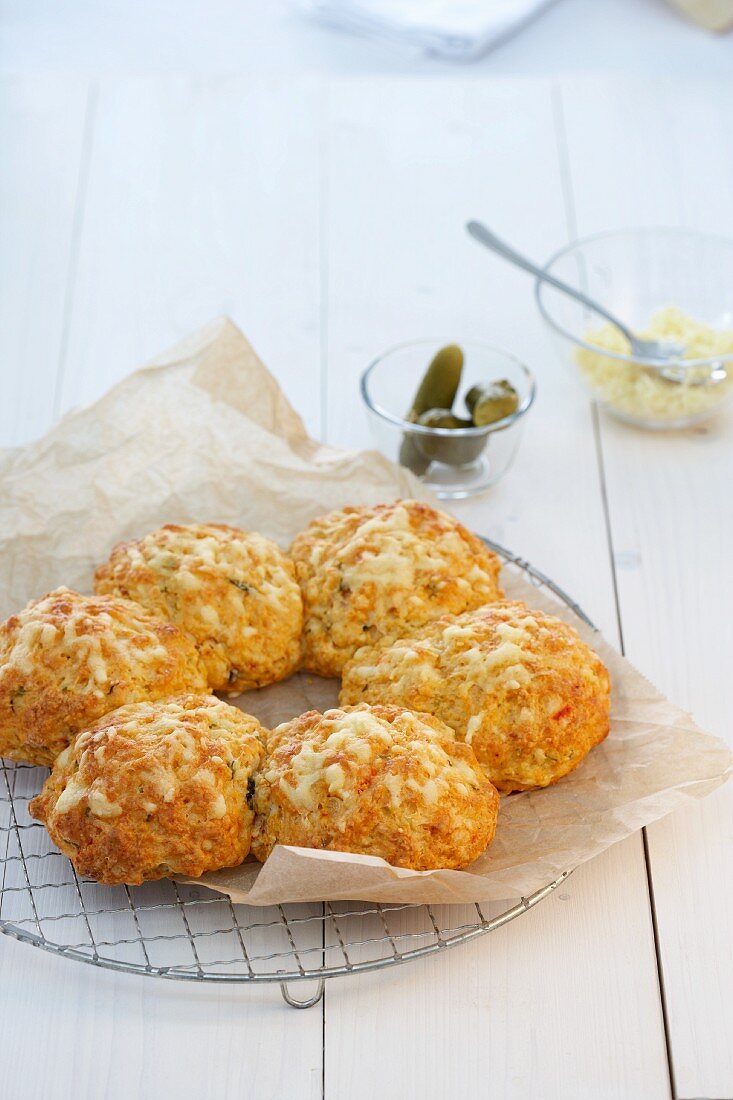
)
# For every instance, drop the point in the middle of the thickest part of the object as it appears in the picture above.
(459, 31)
(714, 15)
(118, 37)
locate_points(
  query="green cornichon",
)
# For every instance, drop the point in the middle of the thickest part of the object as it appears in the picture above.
(437, 390)
(440, 382)
(442, 418)
(491, 402)
(453, 452)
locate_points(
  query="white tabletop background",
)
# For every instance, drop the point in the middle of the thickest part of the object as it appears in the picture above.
(163, 164)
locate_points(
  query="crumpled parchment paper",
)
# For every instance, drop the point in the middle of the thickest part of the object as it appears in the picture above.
(204, 433)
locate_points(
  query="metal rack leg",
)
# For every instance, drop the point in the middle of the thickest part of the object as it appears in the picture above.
(309, 1002)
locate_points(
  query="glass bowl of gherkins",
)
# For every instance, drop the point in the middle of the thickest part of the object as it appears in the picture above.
(451, 413)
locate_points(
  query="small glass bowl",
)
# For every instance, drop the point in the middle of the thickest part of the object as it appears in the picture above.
(454, 462)
(635, 273)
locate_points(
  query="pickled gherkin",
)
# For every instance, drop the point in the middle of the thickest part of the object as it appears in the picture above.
(492, 402)
(442, 418)
(432, 407)
(411, 456)
(440, 382)
(459, 451)
(437, 390)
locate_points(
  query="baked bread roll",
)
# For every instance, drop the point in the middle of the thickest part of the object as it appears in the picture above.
(381, 572)
(374, 780)
(155, 789)
(234, 592)
(67, 659)
(518, 686)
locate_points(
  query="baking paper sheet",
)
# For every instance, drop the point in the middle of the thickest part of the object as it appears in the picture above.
(205, 434)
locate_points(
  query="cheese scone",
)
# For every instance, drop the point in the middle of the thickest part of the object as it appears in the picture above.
(378, 781)
(374, 572)
(67, 659)
(518, 686)
(155, 789)
(234, 592)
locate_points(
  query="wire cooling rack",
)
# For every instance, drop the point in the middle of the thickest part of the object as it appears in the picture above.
(168, 930)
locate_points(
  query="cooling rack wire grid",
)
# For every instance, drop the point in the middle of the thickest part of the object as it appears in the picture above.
(170, 930)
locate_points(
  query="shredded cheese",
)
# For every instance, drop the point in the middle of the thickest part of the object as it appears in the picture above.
(639, 394)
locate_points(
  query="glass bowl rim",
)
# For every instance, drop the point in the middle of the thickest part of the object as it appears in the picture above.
(453, 433)
(643, 231)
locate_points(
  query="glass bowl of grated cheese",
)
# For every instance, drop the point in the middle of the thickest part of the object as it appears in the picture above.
(668, 284)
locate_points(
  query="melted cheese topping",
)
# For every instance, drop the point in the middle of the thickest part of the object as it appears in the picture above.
(385, 550)
(71, 796)
(101, 806)
(163, 747)
(96, 636)
(195, 554)
(234, 593)
(506, 652)
(382, 571)
(347, 747)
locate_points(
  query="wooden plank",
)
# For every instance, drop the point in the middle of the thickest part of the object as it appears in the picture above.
(671, 527)
(192, 189)
(203, 200)
(118, 1035)
(44, 126)
(408, 163)
(554, 1005)
(44, 135)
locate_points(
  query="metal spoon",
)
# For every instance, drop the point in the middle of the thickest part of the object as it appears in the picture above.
(662, 352)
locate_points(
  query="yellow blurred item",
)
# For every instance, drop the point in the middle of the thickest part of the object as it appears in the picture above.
(714, 15)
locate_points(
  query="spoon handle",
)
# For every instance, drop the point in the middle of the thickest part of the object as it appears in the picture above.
(485, 237)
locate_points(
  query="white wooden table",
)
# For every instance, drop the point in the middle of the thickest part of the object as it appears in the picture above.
(325, 216)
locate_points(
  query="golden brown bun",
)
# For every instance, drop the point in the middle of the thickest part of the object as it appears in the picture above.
(234, 592)
(376, 780)
(519, 686)
(66, 659)
(383, 571)
(155, 789)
